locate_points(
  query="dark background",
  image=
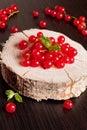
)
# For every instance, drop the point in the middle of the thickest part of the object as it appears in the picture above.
(44, 115)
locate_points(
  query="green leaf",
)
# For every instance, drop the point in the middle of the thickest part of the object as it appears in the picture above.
(45, 41)
(54, 47)
(18, 97)
(9, 94)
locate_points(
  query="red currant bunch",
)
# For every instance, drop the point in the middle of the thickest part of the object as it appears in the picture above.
(60, 13)
(46, 52)
(5, 14)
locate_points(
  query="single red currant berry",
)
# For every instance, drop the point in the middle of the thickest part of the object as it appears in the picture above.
(55, 59)
(25, 62)
(3, 11)
(76, 22)
(48, 11)
(4, 18)
(34, 63)
(59, 16)
(59, 64)
(8, 10)
(14, 29)
(84, 32)
(32, 39)
(56, 8)
(82, 19)
(2, 25)
(65, 58)
(53, 13)
(39, 46)
(71, 60)
(67, 17)
(68, 104)
(35, 13)
(43, 24)
(36, 54)
(10, 107)
(49, 55)
(23, 44)
(39, 34)
(61, 39)
(62, 9)
(84, 24)
(72, 52)
(80, 27)
(47, 64)
(14, 7)
(26, 55)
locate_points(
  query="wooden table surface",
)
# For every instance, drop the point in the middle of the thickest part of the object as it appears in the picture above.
(44, 115)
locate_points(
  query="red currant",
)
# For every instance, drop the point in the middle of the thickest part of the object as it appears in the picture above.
(59, 64)
(84, 32)
(67, 17)
(76, 22)
(35, 13)
(56, 8)
(14, 29)
(26, 55)
(52, 39)
(23, 44)
(39, 46)
(8, 10)
(61, 39)
(47, 64)
(48, 11)
(25, 62)
(80, 27)
(14, 7)
(2, 25)
(53, 13)
(43, 24)
(39, 34)
(59, 16)
(49, 55)
(34, 63)
(10, 107)
(62, 9)
(32, 39)
(3, 11)
(68, 104)
(72, 52)
(36, 54)
(82, 19)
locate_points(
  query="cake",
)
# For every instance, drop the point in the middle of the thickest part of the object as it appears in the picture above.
(39, 83)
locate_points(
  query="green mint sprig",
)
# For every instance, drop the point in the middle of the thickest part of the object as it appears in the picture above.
(10, 94)
(48, 44)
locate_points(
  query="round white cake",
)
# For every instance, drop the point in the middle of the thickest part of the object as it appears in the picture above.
(39, 83)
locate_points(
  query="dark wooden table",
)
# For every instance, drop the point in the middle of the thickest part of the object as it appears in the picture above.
(44, 115)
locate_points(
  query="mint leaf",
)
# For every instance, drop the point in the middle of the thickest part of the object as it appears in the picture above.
(9, 94)
(54, 47)
(18, 97)
(45, 41)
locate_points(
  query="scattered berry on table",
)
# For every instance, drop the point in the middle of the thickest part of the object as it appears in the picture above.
(68, 104)
(10, 107)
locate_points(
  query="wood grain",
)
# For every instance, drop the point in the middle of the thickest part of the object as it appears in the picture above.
(44, 115)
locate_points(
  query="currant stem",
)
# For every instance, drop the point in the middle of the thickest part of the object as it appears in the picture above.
(73, 17)
(13, 13)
